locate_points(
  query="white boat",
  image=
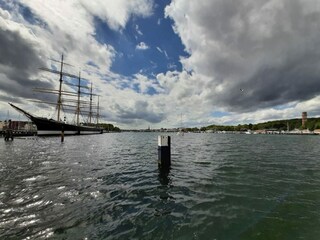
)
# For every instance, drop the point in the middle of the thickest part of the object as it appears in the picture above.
(181, 133)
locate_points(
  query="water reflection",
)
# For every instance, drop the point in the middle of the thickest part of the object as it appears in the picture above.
(163, 176)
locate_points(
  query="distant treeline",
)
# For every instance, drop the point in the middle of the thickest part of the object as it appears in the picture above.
(108, 127)
(311, 124)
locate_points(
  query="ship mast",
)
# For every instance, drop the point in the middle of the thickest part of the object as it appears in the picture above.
(98, 114)
(76, 94)
(78, 102)
(60, 87)
(90, 110)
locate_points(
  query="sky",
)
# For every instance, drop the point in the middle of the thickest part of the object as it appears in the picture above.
(167, 63)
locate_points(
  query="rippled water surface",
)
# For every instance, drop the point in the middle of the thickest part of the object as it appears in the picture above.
(109, 187)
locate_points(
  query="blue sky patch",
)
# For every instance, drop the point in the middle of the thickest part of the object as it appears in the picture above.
(147, 46)
(219, 114)
(285, 106)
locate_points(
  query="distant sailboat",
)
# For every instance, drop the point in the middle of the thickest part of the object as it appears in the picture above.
(180, 132)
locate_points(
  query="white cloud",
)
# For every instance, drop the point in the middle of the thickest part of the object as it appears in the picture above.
(163, 52)
(159, 49)
(166, 54)
(142, 46)
(256, 45)
(117, 13)
(269, 48)
(138, 30)
(69, 29)
(4, 14)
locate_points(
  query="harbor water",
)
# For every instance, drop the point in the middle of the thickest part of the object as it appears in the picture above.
(108, 186)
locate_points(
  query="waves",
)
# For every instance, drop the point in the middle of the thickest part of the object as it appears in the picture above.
(109, 187)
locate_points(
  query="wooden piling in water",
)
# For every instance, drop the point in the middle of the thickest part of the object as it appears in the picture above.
(62, 134)
(8, 134)
(164, 152)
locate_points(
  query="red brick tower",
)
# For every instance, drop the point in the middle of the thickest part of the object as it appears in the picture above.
(304, 119)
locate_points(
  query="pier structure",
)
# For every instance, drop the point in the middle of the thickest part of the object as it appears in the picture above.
(17, 128)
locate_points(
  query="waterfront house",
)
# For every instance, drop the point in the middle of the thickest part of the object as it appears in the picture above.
(261, 131)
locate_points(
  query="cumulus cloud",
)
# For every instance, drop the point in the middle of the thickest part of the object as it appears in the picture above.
(159, 49)
(20, 60)
(142, 46)
(163, 52)
(117, 13)
(61, 27)
(138, 110)
(68, 27)
(269, 48)
(70, 30)
(138, 30)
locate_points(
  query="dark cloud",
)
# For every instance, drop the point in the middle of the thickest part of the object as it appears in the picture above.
(10, 99)
(19, 63)
(297, 80)
(268, 48)
(17, 52)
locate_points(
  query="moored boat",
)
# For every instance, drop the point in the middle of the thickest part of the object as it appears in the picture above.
(50, 127)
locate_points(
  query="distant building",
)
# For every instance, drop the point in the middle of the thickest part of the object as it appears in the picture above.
(18, 125)
(304, 119)
(262, 131)
(2, 124)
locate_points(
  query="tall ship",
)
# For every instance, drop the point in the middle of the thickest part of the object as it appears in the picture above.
(77, 100)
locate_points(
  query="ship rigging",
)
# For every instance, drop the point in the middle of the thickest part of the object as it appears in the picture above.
(68, 101)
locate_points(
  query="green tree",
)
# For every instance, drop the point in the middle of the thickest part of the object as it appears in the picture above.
(317, 125)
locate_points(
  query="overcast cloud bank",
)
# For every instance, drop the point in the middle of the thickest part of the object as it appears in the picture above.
(269, 49)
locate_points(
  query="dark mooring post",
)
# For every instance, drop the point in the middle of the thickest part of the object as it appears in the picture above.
(8, 132)
(164, 152)
(62, 134)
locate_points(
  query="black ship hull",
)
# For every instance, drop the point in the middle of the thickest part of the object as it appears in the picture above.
(50, 127)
